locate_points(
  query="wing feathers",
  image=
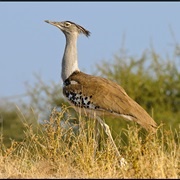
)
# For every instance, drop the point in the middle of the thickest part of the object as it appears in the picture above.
(109, 96)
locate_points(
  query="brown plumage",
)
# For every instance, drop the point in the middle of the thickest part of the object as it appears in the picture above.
(106, 97)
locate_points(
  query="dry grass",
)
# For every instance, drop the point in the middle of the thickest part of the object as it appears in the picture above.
(50, 151)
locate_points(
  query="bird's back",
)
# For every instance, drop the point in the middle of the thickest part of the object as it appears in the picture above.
(105, 97)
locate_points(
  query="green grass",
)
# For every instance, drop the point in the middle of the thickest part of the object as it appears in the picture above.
(50, 151)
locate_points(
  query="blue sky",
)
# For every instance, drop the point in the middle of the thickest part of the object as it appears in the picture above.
(30, 46)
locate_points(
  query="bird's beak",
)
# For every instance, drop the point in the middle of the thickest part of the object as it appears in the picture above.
(52, 23)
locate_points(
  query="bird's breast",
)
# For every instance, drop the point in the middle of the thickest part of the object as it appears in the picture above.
(79, 99)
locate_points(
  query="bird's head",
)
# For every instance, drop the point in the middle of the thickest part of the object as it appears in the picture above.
(68, 27)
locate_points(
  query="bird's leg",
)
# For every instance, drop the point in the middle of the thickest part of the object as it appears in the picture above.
(122, 161)
(96, 136)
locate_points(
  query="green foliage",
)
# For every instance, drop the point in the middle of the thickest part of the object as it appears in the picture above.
(12, 123)
(44, 97)
(151, 81)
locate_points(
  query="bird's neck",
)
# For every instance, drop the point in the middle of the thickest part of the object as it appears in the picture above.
(70, 60)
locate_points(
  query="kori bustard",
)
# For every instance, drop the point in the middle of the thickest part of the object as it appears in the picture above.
(95, 94)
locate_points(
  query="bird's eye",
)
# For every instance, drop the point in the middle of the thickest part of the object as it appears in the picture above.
(67, 24)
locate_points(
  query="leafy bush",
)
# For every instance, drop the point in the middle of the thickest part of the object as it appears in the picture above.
(151, 81)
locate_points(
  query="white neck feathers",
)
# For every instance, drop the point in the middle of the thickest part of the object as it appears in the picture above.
(70, 61)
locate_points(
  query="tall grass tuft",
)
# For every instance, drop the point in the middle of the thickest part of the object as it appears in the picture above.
(57, 148)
